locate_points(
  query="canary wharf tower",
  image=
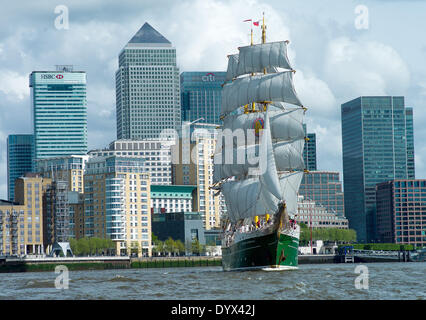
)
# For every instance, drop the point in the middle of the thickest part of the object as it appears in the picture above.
(147, 86)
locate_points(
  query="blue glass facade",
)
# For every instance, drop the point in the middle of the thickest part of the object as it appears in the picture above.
(375, 149)
(201, 96)
(410, 142)
(19, 159)
(59, 113)
(310, 151)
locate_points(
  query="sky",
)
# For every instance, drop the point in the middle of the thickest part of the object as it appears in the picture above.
(340, 50)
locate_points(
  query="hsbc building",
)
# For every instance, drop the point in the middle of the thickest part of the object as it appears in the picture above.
(58, 113)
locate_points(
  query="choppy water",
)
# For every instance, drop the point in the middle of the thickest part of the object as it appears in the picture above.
(330, 281)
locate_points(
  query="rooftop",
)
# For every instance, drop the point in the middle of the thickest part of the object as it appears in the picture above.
(147, 34)
(8, 203)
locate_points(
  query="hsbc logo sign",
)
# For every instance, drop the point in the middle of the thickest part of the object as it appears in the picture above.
(52, 76)
(208, 77)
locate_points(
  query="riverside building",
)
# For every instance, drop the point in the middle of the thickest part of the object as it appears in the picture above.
(172, 198)
(184, 226)
(377, 145)
(21, 221)
(401, 211)
(312, 214)
(117, 202)
(69, 169)
(155, 153)
(192, 164)
(147, 86)
(19, 159)
(59, 112)
(325, 188)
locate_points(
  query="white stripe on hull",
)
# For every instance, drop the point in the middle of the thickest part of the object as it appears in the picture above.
(265, 268)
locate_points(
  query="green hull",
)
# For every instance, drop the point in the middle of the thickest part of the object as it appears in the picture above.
(265, 252)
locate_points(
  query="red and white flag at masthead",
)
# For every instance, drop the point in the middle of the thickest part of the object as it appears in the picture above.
(256, 23)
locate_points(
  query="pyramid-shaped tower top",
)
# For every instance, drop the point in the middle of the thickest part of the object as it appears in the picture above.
(148, 35)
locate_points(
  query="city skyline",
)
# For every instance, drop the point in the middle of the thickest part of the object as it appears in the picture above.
(382, 58)
(376, 132)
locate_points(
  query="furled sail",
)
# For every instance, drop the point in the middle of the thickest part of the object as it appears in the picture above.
(231, 72)
(256, 58)
(249, 198)
(271, 87)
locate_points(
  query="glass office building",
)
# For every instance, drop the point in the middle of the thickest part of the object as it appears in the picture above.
(325, 188)
(147, 86)
(377, 143)
(19, 159)
(310, 150)
(201, 94)
(401, 211)
(410, 143)
(59, 112)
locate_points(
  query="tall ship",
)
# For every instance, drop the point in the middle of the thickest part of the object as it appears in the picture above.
(259, 174)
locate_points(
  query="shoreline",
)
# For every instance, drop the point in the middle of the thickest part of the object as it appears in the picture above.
(105, 263)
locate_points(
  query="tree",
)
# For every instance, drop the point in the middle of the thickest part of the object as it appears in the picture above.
(134, 247)
(169, 245)
(180, 247)
(154, 238)
(83, 246)
(197, 248)
(160, 247)
(73, 245)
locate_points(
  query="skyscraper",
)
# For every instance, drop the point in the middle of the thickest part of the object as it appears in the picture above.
(147, 86)
(410, 143)
(310, 151)
(201, 95)
(19, 159)
(59, 112)
(376, 147)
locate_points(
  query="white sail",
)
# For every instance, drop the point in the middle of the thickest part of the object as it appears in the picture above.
(257, 174)
(256, 58)
(270, 87)
(288, 156)
(249, 198)
(231, 72)
(268, 169)
(285, 125)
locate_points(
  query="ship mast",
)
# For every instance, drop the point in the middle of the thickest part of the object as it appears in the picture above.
(265, 105)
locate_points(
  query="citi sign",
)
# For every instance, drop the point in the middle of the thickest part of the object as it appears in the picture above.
(208, 77)
(52, 76)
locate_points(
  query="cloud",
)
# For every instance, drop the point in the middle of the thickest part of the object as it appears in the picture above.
(334, 63)
(315, 94)
(215, 29)
(360, 68)
(13, 85)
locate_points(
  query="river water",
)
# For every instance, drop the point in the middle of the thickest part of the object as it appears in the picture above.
(400, 281)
